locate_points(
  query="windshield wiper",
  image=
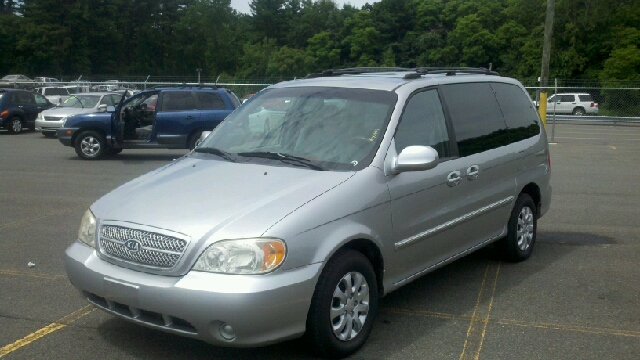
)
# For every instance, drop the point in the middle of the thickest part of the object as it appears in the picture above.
(285, 158)
(215, 151)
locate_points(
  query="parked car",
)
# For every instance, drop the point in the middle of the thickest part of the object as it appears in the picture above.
(55, 94)
(19, 109)
(45, 81)
(267, 233)
(50, 120)
(181, 116)
(16, 81)
(575, 104)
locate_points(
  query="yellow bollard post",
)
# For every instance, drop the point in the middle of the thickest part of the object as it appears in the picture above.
(542, 108)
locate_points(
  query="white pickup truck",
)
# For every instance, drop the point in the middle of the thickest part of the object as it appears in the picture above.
(56, 95)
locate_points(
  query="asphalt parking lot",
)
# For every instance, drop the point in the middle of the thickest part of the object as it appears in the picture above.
(577, 297)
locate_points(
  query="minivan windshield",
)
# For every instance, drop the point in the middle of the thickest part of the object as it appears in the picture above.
(321, 128)
(81, 101)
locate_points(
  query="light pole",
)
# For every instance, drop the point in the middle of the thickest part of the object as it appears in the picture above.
(546, 55)
(198, 70)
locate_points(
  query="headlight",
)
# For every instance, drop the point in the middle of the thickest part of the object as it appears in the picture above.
(87, 231)
(40, 117)
(243, 256)
(64, 121)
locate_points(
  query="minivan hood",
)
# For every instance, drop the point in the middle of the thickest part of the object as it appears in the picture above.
(199, 197)
(66, 112)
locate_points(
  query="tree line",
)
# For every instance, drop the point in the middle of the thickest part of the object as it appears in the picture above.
(592, 39)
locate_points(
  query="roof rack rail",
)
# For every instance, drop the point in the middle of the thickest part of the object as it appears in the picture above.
(354, 71)
(449, 71)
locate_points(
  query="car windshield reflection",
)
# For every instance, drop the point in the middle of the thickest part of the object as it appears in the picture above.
(330, 128)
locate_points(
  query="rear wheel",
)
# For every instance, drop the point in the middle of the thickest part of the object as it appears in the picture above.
(90, 145)
(579, 111)
(521, 231)
(344, 305)
(14, 125)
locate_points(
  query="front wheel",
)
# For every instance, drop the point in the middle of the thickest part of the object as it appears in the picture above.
(90, 145)
(521, 230)
(344, 305)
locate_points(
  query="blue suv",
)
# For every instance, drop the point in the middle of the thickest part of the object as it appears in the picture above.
(163, 118)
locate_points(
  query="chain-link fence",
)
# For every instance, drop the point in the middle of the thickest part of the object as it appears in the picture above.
(570, 97)
(593, 101)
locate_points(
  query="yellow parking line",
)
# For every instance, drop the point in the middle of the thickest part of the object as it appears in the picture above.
(470, 330)
(486, 320)
(510, 322)
(57, 325)
(475, 337)
(584, 329)
(36, 275)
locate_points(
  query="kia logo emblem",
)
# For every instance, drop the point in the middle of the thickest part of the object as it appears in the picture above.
(132, 245)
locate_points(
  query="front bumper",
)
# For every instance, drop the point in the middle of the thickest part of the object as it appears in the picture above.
(65, 135)
(262, 309)
(50, 126)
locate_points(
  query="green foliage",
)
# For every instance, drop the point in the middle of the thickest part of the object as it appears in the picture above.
(289, 38)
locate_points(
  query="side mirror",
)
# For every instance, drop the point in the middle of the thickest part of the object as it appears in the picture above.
(102, 107)
(416, 158)
(111, 108)
(202, 137)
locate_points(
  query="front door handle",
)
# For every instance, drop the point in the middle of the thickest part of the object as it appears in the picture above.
(454, 178)
(472, 172)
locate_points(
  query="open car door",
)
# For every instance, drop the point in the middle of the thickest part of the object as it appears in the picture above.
(117, 123)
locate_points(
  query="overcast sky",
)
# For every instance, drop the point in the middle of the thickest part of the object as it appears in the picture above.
(243, 5)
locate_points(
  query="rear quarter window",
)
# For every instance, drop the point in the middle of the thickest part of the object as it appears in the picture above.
(476, 117)
(178, 101)
(519, 113)
(210, 101)
(585, 98)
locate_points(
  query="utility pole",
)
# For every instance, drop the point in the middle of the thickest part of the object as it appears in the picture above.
(546, 55)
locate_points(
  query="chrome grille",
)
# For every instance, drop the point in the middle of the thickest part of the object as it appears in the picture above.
(149, 249)
(52, 118)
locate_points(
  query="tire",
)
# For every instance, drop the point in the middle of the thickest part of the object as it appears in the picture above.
(330, 322)
(90, 145)
(14, 125)
(521, 231)
(193, 140)
(579, 111)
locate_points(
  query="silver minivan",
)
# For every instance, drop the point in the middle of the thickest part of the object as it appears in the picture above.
(313, 200)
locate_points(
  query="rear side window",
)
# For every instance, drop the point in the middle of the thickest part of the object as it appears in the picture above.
(477, 120)
(20, 97)
(423, 123)
(518, 111)
(178, 101)
(585, 98)
(567, 98)
(210, 101)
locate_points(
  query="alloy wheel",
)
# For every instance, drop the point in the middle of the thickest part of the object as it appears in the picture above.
(525, 228)
(90, 146)
(349, 306)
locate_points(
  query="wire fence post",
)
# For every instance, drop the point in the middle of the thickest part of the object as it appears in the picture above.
(553, 120)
